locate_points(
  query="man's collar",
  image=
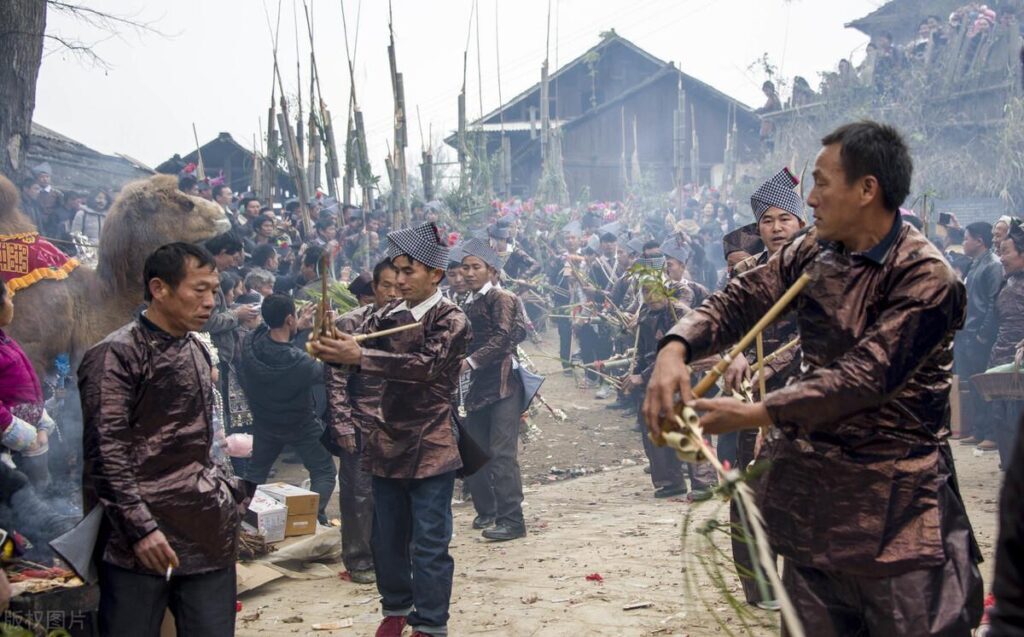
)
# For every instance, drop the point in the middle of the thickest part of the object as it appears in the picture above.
(880, 252)
(420, 310)
(481, 292)
(148, 323)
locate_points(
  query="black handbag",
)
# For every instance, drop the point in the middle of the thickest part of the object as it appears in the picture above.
(531, 386)
(473, 456)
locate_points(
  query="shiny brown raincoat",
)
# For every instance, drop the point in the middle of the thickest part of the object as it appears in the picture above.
(416, 436)
(493, 318)
(862, 481)
(1006, 324)
(147, 401)
(787, 364)
(354, 399)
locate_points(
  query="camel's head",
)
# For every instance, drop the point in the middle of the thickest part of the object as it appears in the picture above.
(148, 214)
(158, 213)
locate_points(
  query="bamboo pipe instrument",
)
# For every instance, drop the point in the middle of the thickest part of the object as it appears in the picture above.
(359, 338)
(684, 435)
(682, 413)
(759, 365)
(762, 382)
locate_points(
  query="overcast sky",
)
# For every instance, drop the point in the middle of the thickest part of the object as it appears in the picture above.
(213, 64)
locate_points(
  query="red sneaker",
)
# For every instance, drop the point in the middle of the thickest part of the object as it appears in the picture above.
(391, 626)
(990, 601)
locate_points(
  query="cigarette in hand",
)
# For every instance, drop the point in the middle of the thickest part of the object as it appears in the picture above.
(170, 569)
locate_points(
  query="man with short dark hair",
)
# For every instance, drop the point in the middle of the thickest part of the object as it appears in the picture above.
(278, 379)
(250, 208)
(172, 516)
(494, 400)
(30, 192)
(973, 344)
(309, 273)
(222, 326)
(265, 256)
(222, 197)
(860, 495)
(412, 450)
(225, 249)
(355, 412)
(326, 232)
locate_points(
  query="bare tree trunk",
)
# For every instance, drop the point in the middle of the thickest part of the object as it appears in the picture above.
(22, 24)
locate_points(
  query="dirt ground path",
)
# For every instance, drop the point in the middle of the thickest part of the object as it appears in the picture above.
(589, 510)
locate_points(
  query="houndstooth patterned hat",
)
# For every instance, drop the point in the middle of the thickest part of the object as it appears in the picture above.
(777, 192)
(673, 247)
(423, 243)
(655, 263)
(482, 250)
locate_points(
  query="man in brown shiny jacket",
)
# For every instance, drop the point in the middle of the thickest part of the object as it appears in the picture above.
(354, 411)
(861, 497)
(171, 516)
(494, 401)
(413, 452)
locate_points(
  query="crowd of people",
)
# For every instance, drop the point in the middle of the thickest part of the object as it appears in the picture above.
(231, 346)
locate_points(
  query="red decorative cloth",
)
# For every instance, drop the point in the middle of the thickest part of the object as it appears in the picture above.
(26, 258)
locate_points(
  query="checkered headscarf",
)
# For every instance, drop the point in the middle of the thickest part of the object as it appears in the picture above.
(483, 251)
(777, 192)
(455, 256)
(655, 263)
(424, 244)
(676, 249)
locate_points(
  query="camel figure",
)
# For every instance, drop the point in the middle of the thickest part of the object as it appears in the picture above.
(70, 315)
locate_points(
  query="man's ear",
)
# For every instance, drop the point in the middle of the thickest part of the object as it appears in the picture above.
(158, 288)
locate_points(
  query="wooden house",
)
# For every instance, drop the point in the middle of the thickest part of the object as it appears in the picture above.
(223, 154)
(78, 168)
(616, 108)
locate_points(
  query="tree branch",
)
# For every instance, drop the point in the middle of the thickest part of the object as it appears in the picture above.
(108, 22)
(80, 49)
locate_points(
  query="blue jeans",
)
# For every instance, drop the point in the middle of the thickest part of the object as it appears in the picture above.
(412, 527)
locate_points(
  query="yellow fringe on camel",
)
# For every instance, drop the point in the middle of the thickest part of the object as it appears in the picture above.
(37, 275)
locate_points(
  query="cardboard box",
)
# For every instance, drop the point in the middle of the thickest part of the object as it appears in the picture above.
(298, 500)
(300, 525)
(266, 517)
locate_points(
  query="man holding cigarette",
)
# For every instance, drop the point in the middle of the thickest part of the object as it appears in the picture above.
(171, 520)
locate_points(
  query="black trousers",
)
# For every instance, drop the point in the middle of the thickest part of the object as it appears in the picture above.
(595, 344)
(667, 468)
(746, 440)
(1005, 416)
(972, 358)
(134, 603)
(355, 488)
(564, 341)
(498, 488)
(318, 461)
